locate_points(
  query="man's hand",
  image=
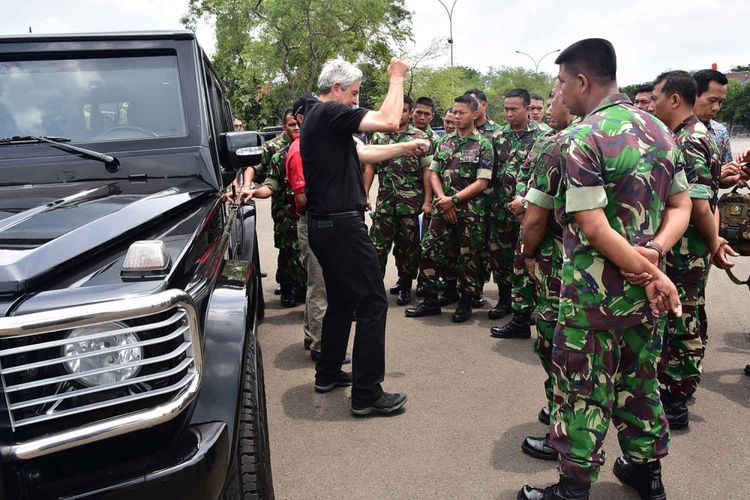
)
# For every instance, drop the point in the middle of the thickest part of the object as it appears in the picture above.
(232, 194)
(450, 215)
(662, 296)
(369, 205)
(444, 203)
(247, 194)
(531, 266)
(731, 174)
(426, 208)
(417, 147)
(643, 278)
(517, 209)
(397, 68)
(719, 254)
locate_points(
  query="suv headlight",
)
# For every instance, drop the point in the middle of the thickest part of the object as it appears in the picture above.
(109, 359)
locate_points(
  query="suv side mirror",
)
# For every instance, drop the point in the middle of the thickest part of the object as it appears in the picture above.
(241, 149)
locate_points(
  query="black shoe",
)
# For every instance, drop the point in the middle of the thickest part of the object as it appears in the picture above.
(645, 478)
(287, 297)
(544, 415)
(307, 343)
(343, 379)
(277, 290)
(315, 356)
(419, 292)
(501, 310)
(428, 307)
(450, 293)
(477, 301)
(300, 294)
(263, 275)
(676, 410)
(566, 489)
(516, 328)
(404, 296)
(463, 311)
(395, 288)
(747, 370)
(539, 447)
(386, 403)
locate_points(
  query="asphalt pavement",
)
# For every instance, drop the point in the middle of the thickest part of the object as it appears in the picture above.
(471, 401)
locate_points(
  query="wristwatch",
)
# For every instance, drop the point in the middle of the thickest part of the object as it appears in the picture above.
(455, 199)
(656, 246)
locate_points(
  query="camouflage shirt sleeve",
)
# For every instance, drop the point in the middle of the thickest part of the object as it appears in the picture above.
(545, 178)
(583, 167)
(275, 174)
(697, 169)
(486, 160)
(438, 160)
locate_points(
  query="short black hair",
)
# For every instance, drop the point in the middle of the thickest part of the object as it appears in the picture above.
(449, 110)
(468, 100)
(478, 94)
(594, 57)
(287, 112)
(426, 101)
(706, 76)
(645, 87)
(408, 100)
(678, 82)
(300, 104)
(535, 97)
(522, 93)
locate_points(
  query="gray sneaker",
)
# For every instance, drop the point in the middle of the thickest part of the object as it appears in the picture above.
(386, 403)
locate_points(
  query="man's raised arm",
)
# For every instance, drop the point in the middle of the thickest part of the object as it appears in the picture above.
(387, 118)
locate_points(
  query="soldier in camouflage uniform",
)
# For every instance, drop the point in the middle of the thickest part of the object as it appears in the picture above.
(400, 196)
(536, 112)
(512, 146)
(290, 273)
(688, 262)
(460, 172)
(542, 252)
(621, 172)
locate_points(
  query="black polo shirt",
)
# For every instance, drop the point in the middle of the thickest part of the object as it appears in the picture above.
(333, 177)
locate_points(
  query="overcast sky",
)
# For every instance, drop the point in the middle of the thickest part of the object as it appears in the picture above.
(650, 36)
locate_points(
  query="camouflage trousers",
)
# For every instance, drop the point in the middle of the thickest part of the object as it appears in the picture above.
(503, 237)
(612, 377)
(545, 332)
(453, 250)
(289, 268)
(523, 293)
(401, 232)
(682, 360)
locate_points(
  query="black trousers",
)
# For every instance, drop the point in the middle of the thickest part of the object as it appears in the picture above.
(353, 283)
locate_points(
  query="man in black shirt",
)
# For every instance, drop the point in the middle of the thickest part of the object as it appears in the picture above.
(338, 236)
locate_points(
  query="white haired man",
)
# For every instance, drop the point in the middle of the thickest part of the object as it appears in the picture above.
(336, 202)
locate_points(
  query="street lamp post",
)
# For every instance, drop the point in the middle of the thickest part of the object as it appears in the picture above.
(450, 24)
(537, 63)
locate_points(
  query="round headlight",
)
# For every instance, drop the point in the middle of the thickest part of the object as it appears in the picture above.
(109, 359)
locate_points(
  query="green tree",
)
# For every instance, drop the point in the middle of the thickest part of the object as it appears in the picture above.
(741, 67)
(268, 52)
(736, 109)
(498, 81)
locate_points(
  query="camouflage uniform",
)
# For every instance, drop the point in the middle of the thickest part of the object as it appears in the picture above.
(289, 269)
(545, 174)
(488, 129)
(606, 345)
(400, 199)
(688, 264)
(511, 150)
(459, 162)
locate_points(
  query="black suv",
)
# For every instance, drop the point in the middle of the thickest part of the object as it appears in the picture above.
(129, 288)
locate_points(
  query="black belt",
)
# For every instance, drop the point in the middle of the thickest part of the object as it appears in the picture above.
(336, 215)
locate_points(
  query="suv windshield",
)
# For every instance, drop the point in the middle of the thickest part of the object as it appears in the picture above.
(92, 100)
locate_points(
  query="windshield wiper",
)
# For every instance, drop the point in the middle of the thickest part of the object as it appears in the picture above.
(111, 163)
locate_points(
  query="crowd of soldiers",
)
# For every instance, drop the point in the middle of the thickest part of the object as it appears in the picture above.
(597, 220)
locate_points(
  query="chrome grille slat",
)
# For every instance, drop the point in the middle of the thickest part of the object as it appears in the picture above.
(38, 390)
(112, 402)
(47, 362)
(55, 343)
(91, 390)
(114, 368)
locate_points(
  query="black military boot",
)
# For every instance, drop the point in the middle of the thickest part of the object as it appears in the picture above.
(450, 294)
(676, 410)
(747, 369)
(645, 478)
(566, 489)
(395, 288)
(463, 311)
(539, 447)
(404, 293)
(544, 415)
(516, 328)
(300, 294)
(477, 300)
(502, 308)
(428, 307)
(287, 296)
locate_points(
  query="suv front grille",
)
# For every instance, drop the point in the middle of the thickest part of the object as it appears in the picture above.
(63, 370)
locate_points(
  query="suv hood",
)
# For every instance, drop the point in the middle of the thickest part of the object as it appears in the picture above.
(45, 227)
